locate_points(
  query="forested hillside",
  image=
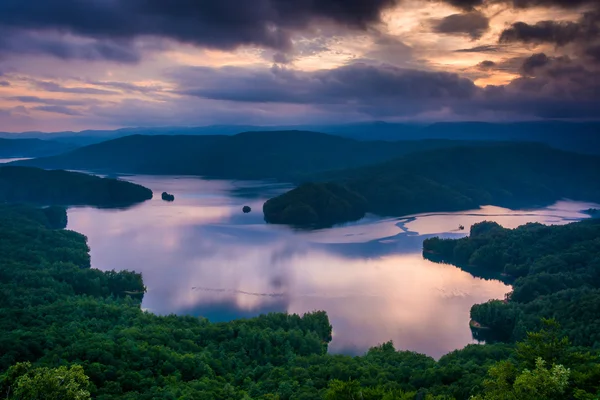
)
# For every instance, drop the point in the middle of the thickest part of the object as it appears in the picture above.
(71, 332)
(14, 148)
(287, 155)
(556, 273)
(315, 205)
(461, 178)
(38, 186)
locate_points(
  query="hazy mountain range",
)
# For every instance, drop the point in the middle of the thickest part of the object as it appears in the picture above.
(573, 136)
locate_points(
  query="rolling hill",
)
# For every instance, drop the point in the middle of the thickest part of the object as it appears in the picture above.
(252, 155)
(15, 148)
(513, 175)
(582, 137)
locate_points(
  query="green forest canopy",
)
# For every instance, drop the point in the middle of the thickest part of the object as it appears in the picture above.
(316, 205)
(461, 178)
(57, 313)
(556, 272)
(38, 186)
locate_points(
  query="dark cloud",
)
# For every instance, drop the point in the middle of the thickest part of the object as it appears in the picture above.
(385, 91)
(387, 49)
(593, 52)
(481, 49)
(4, 83)
(559, 33)
(57, 88)
(33, 43)
(548, 3)
(584, 31)
(223, 24)
(486, 65)
(359, 84)
(581, 39)
(58, 110)
(555, 87)
(467, 5)
(534, 62)
(473, 24)
(281, 58)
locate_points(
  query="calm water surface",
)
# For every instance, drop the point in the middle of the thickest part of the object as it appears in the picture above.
(200, 255)
(7, 160)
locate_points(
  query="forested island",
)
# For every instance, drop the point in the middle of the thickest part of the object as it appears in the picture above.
(461, 178)
(38, 186)
(555, 273)
(316, 205)
(72, 332)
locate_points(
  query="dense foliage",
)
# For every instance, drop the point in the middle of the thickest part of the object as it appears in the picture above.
(285, 155)
(37, 186)
(556, 272)
(71, 332)
(462, 178)
(315, 204)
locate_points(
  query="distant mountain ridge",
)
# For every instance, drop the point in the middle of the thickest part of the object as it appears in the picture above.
(573, 136)
(286, 155)
(15, 148)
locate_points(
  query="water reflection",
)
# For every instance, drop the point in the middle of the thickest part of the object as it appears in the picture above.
(200, 255)
(8, 160)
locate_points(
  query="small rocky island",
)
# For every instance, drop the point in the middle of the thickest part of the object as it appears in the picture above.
(168, 197)
(315, 205)
(247, 210)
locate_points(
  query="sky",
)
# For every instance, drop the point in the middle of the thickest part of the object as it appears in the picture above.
(105, 64)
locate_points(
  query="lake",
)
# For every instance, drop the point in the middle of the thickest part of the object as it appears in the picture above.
(201, 255)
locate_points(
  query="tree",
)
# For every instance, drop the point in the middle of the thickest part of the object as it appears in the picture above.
(547, 344)
(541, 383)
(22, 382)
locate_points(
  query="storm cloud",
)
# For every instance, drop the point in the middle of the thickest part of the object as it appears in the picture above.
(583, 36)
(473, 24)
(224, 24)
(383, 91)
(359, 84)
(554, 32)
(34, 43)
(153, 62)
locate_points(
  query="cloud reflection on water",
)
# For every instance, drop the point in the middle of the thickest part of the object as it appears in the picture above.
(202, 256)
